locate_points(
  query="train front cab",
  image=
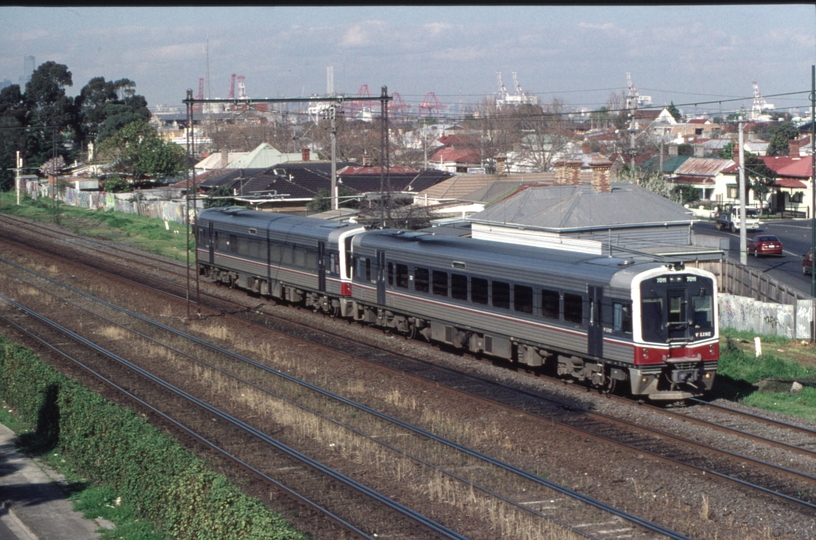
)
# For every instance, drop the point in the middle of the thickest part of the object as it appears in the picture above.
(677, 340)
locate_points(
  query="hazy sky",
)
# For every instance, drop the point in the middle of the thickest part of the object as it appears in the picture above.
(578, 54)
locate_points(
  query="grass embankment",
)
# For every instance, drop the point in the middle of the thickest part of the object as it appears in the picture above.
(765, 381)
(148, 234)
(120, 467)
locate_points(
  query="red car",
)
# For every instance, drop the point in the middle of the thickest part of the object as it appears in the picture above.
(764, 244)
(807, 265)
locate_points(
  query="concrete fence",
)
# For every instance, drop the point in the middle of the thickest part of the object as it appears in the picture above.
(157, 204)
(793, 321)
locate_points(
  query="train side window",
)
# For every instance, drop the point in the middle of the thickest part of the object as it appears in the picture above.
(573, 308)
(233, 243)
(622, 317)
(440, 283)
(501, 294)
(217, 246)
(274, 252)
(368, 269)
(421, 279)
(478, 290)
(391, 274)
(402, 276)
(311, 259)
(254, 248)
(459, 287)
(286, 254)
(334, 264)
(550, 304)
(523, 298)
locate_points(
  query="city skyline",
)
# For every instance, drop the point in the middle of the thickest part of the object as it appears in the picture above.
(694, 56)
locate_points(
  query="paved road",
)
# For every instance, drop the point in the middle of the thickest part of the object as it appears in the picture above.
(796, 239)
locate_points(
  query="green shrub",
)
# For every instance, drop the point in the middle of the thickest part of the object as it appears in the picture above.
(154, 476)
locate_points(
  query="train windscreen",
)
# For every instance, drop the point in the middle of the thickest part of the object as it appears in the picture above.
(677, 308)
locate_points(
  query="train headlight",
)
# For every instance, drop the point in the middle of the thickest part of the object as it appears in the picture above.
(707, 375)
(644, 380)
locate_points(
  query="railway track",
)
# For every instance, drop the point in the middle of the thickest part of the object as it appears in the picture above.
(449, 463)
(732, 468)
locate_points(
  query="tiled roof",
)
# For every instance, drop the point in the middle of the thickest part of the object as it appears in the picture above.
(799, 168)
(456, 155)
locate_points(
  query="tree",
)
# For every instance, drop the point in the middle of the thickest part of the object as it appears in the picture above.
(52, 119)
(218, 197)
(779, 139)
(137, 150)
(758, 176)
(674, 111)
(13, 117)
(45, 93)
(105, 107)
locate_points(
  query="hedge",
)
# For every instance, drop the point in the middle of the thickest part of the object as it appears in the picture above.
(114, 447)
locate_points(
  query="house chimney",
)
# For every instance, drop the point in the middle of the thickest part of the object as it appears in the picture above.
(560, 171)
(699, 150)
(673, 150)
(573, 172)
(501, 165)
(600, 175)
(224, 159)
(794, 148)
(304, 154)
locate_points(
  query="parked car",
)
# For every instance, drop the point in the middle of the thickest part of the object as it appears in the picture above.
(807, 264)
(764, 244)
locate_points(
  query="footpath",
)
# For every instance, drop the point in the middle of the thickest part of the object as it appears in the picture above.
(34, 504)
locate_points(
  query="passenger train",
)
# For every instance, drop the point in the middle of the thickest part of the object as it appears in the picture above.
(643, 327)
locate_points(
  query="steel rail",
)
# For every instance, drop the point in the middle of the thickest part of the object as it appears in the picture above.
(387, 501)
(468, 451)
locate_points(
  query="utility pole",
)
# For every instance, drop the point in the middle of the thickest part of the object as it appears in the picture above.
(743, 239)
(813, 188)
(17, 177)
(330, 112)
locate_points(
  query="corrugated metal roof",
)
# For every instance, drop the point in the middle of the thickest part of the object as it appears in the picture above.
(561, 207)
(703, 166)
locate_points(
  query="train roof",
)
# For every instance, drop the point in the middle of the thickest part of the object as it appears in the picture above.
(617, 271)
(275, 224)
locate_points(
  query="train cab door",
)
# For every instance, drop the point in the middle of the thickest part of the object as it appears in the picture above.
(381, 278)
(211, 242)
(595, 329)
(321, 266)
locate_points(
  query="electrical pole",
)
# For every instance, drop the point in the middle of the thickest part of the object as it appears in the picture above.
(743, 239)
(813, 187)
(17, 177)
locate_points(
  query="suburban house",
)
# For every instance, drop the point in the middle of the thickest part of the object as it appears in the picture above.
(701, 174)
(600, 217)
